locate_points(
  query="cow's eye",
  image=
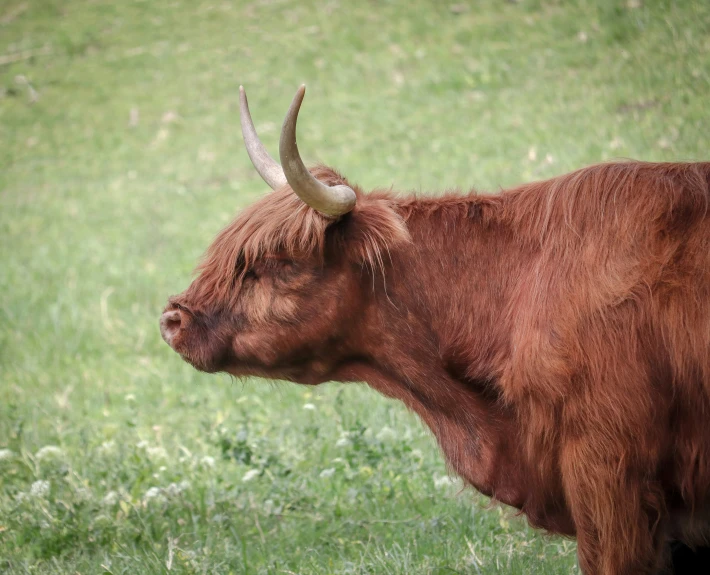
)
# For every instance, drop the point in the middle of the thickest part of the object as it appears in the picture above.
(251, 274)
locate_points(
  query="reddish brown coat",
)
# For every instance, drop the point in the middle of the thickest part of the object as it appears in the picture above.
(555, 337)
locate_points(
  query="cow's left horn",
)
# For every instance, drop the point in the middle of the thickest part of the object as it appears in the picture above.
(331, 201)
(265, 165)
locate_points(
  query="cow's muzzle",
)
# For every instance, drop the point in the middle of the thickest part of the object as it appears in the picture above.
(171, 322)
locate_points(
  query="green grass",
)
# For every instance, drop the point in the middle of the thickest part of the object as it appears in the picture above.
(121, 157)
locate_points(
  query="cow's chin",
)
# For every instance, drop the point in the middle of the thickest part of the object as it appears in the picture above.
(209, 357)
(200, 364)
(203, 358)
(294, 374)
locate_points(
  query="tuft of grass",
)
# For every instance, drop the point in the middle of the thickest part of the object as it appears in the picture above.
(121, 158)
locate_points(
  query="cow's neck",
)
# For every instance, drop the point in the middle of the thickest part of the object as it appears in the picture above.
(437, 340)
(441, 311)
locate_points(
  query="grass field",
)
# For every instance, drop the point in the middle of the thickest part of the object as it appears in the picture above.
(121, 157)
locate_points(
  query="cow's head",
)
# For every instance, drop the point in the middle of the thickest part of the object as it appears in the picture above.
(281, 289)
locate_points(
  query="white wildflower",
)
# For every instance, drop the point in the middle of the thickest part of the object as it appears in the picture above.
(175, 489)
(111, 498)
(249, 475)
(142, 444)
(309, 406)
(153, 494)
(39, 488)
(326, 473)
(130, 397)
(48, 451)
(6, 454)
(156, 452)
(107, 446)
(83, 493)
(344, 440)
(386, 434)
(444, 481)
(207, 461)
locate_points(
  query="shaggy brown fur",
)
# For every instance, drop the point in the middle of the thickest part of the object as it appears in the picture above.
(555, 337)
(280, 223)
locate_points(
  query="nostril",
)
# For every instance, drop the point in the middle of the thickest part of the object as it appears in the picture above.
(170, 323)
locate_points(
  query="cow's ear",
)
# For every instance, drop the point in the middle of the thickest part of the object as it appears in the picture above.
(373, 230)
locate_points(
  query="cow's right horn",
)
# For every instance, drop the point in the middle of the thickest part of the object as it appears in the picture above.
(265, 165)
(332, 201)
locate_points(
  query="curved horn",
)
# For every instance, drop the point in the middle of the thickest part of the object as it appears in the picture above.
(267, 167)
(331, 201)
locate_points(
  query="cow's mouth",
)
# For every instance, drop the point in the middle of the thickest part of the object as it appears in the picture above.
(182, 331)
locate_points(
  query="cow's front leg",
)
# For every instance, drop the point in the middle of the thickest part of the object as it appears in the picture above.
(619, 514)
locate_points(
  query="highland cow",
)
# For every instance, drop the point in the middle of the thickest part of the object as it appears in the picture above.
(554, 337)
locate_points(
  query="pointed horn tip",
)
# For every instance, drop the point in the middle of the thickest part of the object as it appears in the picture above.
(297, 100)
(243, 103)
